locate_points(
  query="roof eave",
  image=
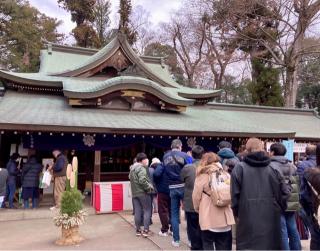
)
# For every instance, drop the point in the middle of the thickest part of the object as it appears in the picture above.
(32, 82)
(209, 94)
(129, 86)
(79, 129)
(241, 107)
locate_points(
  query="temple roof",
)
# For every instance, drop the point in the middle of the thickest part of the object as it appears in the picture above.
(23, 111)
(82, 73)
(81, 89)
(110, 83)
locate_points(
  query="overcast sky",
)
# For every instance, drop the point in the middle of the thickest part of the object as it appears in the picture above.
(159, 11)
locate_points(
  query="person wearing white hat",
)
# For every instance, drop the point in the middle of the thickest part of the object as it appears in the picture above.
(154, 163)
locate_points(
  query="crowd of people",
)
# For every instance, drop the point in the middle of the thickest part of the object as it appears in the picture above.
(28, 177)
(255, 196)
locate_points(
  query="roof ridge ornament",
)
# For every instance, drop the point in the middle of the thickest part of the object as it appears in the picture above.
(133, 70)
(49, 48)
(162, 62)
(121, 35)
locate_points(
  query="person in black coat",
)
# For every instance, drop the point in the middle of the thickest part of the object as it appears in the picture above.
(257, 200)
(30, 182)
(312, 176)
(13, 171)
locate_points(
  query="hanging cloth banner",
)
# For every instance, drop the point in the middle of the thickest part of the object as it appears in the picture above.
(289, 144)
(111, 196)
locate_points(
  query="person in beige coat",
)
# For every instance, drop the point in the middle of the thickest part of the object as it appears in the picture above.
(215, 222)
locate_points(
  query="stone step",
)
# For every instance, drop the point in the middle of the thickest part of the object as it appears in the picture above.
(43, 212)
(29, 214)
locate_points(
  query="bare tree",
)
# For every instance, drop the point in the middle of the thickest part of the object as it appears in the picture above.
(102, 10)
(187, 35)
(140, 24)
(219, 47)
(287, 47)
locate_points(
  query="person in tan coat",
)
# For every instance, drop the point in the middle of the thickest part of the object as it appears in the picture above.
(215, 222)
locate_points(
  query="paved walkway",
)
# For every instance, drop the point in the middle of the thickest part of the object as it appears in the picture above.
(101, 232)
(107, 231)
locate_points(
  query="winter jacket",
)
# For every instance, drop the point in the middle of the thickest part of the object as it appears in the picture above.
(312, 175)
(160, 179)
(173, 162)
(257, 201)
(288, 171)
(3, 181)
(13, 172)
(241, 156)
(151, 174)
(305, 191)
(227, 154)
(188, 176)
(210, 215)
(60, 166)
(30, 173)
(139, 180)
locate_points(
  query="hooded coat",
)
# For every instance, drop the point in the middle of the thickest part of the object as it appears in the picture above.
(161, 180)
(140, 180)
(210, 215)
(305, 191)
(13, 171)
(288, 171)
(30, 173)
(257, 202)
(227, 155)
(188, 176)
(312, 175)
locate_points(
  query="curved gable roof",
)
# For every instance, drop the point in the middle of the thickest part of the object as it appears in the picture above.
(91, 61)
(119, 42)
(76, 89)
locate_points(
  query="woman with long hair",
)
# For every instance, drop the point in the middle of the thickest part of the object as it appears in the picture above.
(215, 221)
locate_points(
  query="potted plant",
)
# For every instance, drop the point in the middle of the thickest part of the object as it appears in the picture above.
(71, 214)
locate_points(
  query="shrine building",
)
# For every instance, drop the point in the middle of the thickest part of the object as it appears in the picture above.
(110, 104)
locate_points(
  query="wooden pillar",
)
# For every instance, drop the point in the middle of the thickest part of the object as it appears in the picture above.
(31, 152)
(97, 166)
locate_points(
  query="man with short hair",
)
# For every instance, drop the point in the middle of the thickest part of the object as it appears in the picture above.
(289, 229)
(59, 173)
(141, 188)
(257, 200)
(173, 162)
(188, 176)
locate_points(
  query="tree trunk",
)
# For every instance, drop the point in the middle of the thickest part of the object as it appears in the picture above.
(293, 59)
(190, 82)
(69, 237)
(291, 87)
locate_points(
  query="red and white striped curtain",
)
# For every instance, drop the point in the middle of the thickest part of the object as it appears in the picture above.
(111, 196)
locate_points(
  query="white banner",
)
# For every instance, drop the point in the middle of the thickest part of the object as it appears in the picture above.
(297, 147)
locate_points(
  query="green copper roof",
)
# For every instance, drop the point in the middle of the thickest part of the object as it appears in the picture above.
(74, 88)
(36, 79)
(92, 86)
(57, 61)
(63, 65)
(42, 112)
(106, 51)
